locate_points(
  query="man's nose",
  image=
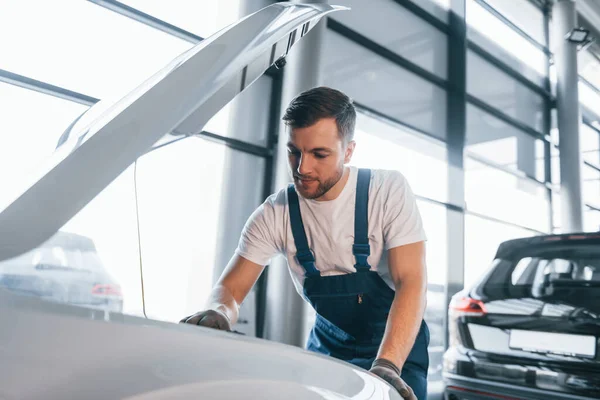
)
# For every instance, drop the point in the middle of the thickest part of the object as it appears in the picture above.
(305, 165)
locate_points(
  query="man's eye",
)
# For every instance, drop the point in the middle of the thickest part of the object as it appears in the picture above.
(293, 152)
(320, 155)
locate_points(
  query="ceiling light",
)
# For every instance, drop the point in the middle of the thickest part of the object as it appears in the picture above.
(578, 35)
(581, 37)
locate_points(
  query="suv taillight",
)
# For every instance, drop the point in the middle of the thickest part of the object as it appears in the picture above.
(462, 307)
(106, 290)
(467, 306)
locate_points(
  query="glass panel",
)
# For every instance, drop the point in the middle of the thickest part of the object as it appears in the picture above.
(590, 189)
(181, 212)
(437, 8)
(498, 194)
(506, 44)
(525, 15)
(92, 262)
(31, 125)
(246, 117)
(589, 98)
(417, 41)
(493, 140)
(435, 225)
(590, 144)
(591, 220)
(200, 17)
(589, 67)
(67, 44)
(383, 86)
(556, 211)
(482, 238)
(489, 84)
(422, 161)
(555, 165)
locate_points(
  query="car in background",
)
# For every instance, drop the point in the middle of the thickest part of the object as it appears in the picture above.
(530, 327)
(65, 269)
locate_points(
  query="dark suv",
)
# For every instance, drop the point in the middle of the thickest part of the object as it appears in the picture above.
(530, 328)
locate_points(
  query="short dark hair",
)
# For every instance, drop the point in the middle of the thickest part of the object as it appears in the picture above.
(322, 102)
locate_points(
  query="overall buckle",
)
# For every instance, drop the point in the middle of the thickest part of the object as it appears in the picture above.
(305, 257)
(361, 253)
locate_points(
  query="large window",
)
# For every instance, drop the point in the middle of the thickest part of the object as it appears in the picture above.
(482, 238)
(491, 139)
(498, 194)
(591, 220)
(589, 97)
(31, 125)
(422, 160)
(488, 83)
(506, 44)
(180, 191)
(589, 67)
(524, 15)
(437, 8)
(417, 41)
(379, 84)
(590, 144)
(590, 185)
(81, 46)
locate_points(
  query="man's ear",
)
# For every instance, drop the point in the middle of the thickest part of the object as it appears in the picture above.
(349, 151)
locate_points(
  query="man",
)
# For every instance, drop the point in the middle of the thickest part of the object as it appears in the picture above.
(354, 242)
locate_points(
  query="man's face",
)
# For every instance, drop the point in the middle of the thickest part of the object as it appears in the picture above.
(317, 155)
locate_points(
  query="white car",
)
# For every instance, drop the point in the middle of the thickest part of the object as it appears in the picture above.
(52, 350)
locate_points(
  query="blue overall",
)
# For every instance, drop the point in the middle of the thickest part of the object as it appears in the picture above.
(352, 309)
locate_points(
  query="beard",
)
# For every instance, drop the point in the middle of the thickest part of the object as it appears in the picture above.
(323, 186)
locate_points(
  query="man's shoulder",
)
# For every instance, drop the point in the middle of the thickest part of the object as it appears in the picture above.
(275, 202)
(387, 179)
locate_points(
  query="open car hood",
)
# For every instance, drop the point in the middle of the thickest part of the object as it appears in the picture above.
(179, 99)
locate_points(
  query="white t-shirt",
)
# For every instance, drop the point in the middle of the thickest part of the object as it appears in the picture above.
(394, 220)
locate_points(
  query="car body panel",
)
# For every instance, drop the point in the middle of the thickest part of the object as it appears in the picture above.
(54, 351)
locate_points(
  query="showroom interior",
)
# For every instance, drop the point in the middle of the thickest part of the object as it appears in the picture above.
(466, 98)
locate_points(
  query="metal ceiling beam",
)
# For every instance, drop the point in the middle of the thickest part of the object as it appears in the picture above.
(148, 19)
(46, 88)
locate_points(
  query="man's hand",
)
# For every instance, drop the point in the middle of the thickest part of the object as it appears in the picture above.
(390, 373)
(210, 319)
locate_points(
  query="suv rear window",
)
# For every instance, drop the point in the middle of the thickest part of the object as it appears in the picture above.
(546, 272)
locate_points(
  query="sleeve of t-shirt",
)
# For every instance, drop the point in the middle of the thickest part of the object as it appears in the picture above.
(402, 222)
(258, 238)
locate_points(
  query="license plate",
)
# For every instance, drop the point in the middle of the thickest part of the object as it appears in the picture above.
(553, 343)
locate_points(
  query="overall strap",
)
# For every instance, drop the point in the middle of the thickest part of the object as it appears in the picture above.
(361, 248)
(304, 255)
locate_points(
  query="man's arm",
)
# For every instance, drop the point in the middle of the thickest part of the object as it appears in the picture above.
(409, 273)
(258, 242)
(231, 289)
